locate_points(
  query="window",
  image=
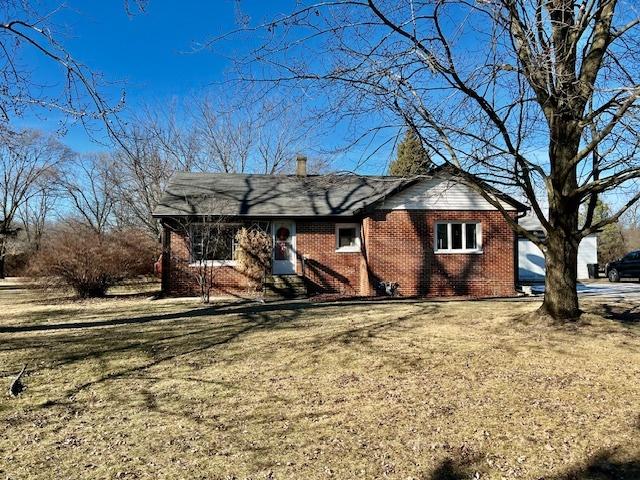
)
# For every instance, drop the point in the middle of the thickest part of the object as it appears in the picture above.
(458, 237)
(442, 236)
(471, 236)
(347, 237)
(213, 243)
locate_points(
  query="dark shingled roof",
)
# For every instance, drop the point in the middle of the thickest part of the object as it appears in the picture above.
(273, 195)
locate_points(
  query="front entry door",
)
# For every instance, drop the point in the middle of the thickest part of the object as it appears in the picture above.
(284, 245)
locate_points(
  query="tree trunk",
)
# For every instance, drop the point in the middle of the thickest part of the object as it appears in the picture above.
(561, 253)
(3, 252)
(561, 297)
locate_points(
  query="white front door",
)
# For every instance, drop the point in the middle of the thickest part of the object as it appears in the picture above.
(284, 247)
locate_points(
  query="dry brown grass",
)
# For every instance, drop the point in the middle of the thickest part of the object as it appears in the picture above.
(136, 388)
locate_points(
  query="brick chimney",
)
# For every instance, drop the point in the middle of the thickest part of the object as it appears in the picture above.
(301, 166)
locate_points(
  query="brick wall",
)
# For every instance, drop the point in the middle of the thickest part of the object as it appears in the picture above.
(399, 248)
(326, 270)
(180, 278)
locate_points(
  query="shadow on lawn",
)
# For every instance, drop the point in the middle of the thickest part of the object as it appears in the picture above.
(225, 309)
(195, 343)
(162, 345)
(627, 314)
(151, 340)
(246, 307)
(603, 465)
(450, 469)
(613, 316)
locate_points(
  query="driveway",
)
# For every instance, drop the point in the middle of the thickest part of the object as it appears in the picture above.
(625, 290)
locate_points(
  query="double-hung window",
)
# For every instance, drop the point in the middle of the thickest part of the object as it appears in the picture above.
(458, 237)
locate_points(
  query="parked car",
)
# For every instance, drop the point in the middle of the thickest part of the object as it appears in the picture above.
(627, 266)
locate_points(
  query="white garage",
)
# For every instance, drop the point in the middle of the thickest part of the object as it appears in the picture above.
(531, 260)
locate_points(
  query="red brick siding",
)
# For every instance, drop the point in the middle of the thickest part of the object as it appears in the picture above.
(181, 280)
(399, 248)
(325, 269)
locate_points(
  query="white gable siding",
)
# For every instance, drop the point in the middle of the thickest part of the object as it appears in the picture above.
(438, 194)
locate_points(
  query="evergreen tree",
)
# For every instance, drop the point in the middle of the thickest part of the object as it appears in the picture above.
(412, 158)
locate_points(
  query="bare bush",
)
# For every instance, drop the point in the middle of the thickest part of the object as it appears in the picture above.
(253, 254)
(91, 262)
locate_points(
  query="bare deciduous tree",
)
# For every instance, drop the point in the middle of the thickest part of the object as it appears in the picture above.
(89, 187)
(225, 137)
(29, 35)
(154, 152)
(211, 136)
(37, 210)
(539, 98)
(245, 135)
(26, 158)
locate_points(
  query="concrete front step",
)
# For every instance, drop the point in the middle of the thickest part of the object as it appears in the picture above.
(284, 280)
(288, 286)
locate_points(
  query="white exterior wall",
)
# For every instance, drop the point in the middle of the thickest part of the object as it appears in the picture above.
(439, 194)
(531, 260)
(587, 253)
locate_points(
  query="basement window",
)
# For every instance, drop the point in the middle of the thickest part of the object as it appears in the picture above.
(347, 237)
(458, 237)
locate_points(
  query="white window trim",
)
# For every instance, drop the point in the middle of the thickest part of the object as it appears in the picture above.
(209, 263)
(355, 248)
(214, 263)
(450, 250)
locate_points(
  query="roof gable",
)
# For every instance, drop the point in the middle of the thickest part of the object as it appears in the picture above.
(441, 192)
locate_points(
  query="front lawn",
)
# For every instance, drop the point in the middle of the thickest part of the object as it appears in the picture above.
(130, 387)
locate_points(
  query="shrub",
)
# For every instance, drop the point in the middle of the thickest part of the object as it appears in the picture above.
(90, 262)
(253, 254)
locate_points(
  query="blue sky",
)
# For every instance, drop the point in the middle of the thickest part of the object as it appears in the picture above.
(153, 55)
(151, 51)
(149, 55)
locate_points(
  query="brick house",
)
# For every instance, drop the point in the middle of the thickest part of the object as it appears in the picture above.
(344, 234)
